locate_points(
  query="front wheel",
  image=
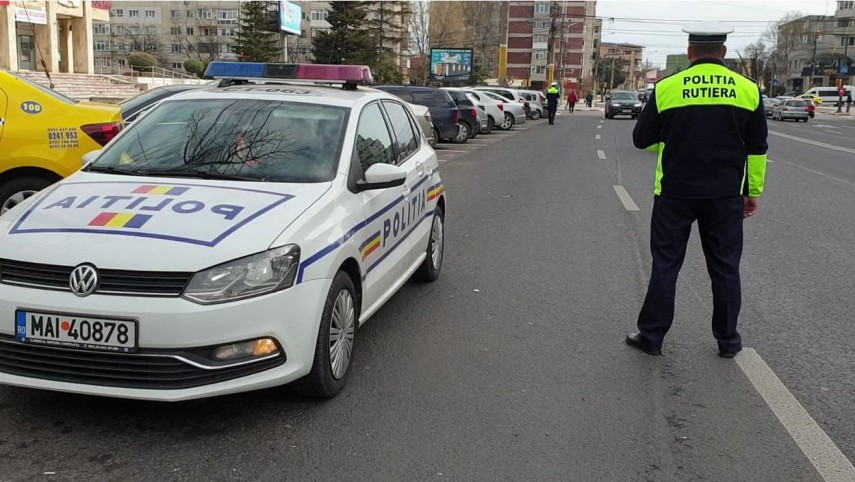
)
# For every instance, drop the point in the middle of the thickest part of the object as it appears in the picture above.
(431, 266)
(535, 115)
(334, 348)
(19, 189)
(433, 140)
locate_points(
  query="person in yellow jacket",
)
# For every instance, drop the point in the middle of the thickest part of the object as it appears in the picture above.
(708, 125)
(552, 96)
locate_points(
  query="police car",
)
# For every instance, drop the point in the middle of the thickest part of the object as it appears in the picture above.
(233, 238)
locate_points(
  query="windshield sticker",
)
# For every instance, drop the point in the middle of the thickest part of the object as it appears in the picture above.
(186, 213)
(62, 137)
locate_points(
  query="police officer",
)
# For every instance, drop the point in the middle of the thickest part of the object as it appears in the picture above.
(552, 96)
(708, 125)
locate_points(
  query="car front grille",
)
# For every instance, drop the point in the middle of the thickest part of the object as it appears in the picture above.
(112, 282)
(154, 371)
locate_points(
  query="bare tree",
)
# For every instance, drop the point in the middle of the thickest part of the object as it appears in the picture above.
(201, 43)
(754, 57)
(783, 37)
(420, 39)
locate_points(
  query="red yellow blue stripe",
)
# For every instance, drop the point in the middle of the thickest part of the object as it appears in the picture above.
(120, 220)
(370, 245)
(435, 191)
(161, 190)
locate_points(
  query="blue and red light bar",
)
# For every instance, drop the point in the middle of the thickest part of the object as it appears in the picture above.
(337, 74)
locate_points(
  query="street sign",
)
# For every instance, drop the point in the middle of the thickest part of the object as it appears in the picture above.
(844, 69)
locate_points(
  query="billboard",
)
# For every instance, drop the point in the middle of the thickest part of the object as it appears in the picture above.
(451, 64)
(290, 18)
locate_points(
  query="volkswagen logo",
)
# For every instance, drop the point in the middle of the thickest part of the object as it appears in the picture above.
(83, 280)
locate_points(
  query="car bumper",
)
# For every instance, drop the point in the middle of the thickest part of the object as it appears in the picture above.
(625, 111)
(173, 325)
(793, 115)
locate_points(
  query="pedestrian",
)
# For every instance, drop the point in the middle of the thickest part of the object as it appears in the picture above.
(590, 99)
(848, 100)
(712, 175)
(571, 101)
(552, 96)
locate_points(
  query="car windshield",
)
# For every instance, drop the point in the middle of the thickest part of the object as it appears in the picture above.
(624, 96)
(256, 140)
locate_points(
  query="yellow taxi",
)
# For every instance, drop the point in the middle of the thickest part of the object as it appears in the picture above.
(44, 135)
(817, 100)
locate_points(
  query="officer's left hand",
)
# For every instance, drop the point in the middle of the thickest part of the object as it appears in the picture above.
(751, 206)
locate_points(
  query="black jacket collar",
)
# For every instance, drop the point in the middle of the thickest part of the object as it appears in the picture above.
(707, 61)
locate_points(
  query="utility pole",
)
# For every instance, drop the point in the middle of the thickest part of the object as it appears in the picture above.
(813, 60)
(563, 34)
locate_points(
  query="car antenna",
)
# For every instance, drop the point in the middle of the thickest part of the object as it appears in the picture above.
(36, 40)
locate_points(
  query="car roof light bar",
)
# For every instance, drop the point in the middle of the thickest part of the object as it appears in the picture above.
(348, 75)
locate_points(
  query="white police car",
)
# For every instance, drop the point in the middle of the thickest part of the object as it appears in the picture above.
(231, 239)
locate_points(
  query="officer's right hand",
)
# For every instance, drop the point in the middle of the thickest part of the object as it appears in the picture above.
(751, 206)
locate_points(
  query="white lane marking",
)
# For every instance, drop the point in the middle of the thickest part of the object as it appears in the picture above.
(627, 201)
(598, 137)
(828, 460)
(833, 132)
(814, 143)
(599, 127)
(601, 122)
(443, 160)
(770, 161)
(601, 154)
(818, 173)
(449, 150)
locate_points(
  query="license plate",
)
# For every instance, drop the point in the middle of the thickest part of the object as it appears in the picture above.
(72, 331)
(627, 110)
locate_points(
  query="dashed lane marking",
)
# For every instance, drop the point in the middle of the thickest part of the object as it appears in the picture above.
(598, 137)
(599, 127)
(828, 460)
(625, 198)
(601, 154)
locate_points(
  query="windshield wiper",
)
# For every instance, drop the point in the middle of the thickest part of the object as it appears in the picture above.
(114, 170)
(200, 175)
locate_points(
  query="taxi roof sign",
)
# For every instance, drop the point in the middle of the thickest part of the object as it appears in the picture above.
(349, 75)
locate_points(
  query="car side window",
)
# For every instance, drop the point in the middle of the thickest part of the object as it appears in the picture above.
(408, 141)
(373, 141)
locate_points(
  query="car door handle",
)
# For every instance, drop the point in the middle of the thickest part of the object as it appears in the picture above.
(405, 190)
(420, 169)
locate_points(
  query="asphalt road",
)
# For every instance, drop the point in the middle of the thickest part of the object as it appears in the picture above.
(512, 366)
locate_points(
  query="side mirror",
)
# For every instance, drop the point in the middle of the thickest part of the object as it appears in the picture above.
(90, 156)
(382, 176)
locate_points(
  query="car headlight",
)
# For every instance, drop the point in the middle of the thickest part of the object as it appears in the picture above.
(638, 104)
(255, 275)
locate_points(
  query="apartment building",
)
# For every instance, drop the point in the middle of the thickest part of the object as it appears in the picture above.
(58, 33)
(632, 55)
(172, 31)
(395, 17)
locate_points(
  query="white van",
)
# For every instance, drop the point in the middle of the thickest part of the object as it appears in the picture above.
(829, 95)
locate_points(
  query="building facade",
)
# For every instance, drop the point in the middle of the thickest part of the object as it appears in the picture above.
(173, 32)
(49, 35)
(631, 54)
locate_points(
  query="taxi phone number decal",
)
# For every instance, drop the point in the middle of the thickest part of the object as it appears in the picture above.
(62, 137)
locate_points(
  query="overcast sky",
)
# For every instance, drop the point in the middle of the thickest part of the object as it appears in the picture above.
(657, 24)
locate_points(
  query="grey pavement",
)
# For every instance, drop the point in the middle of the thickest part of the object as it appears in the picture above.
(512, 366)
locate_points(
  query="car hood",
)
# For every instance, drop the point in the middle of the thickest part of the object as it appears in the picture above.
(154, 224)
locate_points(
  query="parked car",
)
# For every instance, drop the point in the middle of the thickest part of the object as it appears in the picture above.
(470, 122)
(510, 94)
(622, 102)
(44, 135)
(136, 106)
(422, 114)
(817, 100)
(492, 108)
(796, 109)
(535, 100)
(514, 112)
(443, 110)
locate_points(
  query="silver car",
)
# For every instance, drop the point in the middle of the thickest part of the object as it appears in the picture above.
(425, 122)
(791, 109)
(492, 108)
(535, 101)
(510, 94)
(513, 112)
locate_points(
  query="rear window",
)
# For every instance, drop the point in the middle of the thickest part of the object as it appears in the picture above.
(259, 140)
(431, 97)
(796, 103)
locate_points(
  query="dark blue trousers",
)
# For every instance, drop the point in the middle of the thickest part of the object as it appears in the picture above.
(720, 228)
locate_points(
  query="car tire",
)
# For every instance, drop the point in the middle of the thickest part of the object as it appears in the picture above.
(464, 134)
(535, 114)
(805, 120)
(432, 265)
(509, 121)
(19, 189)
(490, 125)
(341, 312)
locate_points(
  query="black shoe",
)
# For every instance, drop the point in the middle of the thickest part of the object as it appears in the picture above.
(636, 341)
(729, 353)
